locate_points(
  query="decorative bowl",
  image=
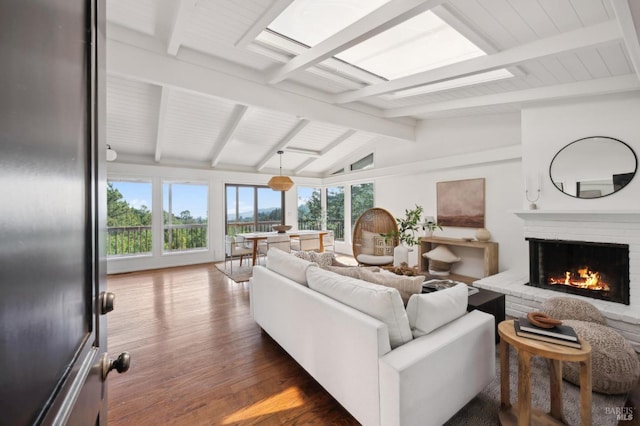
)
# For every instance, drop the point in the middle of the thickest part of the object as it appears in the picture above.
(281, 228)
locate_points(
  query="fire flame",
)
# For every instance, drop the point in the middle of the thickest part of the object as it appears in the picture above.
(586, 279)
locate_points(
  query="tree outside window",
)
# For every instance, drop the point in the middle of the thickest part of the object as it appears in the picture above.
(185, 216)
(309, 208)
(361, 200)
(128, 218)
(335, 211)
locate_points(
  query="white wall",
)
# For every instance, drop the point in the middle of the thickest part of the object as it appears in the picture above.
(547, 129)
(462, 148)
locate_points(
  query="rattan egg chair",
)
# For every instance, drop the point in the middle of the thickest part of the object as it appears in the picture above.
(369, 247)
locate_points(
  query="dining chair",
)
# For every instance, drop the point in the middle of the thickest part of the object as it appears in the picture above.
(306, 242)
(329, 240)
(279, 242)
(236, 247)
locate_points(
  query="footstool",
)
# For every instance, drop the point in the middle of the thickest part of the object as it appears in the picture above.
(615, 365)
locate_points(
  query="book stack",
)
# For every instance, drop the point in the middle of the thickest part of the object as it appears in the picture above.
(441, 284)
(560, 334)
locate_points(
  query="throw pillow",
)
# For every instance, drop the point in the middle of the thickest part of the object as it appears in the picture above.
(368, 242)
(323, 260)
(347, 271)
(302, 255)
(288, 265)
(407, 286)
(429, 311)
(380, 302)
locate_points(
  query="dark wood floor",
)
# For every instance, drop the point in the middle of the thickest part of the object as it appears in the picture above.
(197, 357)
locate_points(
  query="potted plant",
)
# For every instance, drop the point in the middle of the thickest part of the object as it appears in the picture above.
(429, 225)
(408, 226)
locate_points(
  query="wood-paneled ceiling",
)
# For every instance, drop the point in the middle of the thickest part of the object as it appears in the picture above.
(188, 84)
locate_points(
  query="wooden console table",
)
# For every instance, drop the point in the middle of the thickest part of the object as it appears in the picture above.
(490, 255)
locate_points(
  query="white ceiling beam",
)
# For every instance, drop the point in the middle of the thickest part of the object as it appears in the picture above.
(582, 38)
(600, 86)
(180, 24)
(303, 166)
(162, 114)
(336, 142)
(376, 22)
(263, 22)
(227, 133)
(282, 144)
(134, 63)
(303, 151)
(630, 31)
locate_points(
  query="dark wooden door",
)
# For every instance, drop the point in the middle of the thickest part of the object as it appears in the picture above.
(52, 181)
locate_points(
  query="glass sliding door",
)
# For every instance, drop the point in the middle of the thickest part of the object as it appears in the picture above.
(252, 208)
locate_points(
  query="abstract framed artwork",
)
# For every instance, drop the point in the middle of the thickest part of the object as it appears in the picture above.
(461, 203)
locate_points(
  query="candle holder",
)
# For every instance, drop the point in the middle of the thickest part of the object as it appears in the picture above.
(533, 198)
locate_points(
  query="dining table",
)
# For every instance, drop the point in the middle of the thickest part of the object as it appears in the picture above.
(255, 237)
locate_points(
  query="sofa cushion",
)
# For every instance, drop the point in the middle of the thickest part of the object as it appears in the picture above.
(407, 286)
(371, 259)
(429, 311)
(288, 265)
(380, 302)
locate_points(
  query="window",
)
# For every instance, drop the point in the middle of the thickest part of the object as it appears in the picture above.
(252, 208)
(309, 208)
(185, 216)
(361, 200)
(363, 163)
(335, 211)
(128, 218)
(421, 43)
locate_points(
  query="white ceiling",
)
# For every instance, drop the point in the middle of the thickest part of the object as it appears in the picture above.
(187, 85)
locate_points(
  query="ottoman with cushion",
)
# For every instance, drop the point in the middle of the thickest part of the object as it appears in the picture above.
(615, 365)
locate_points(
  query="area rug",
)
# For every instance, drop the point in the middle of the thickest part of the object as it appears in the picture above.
(484, 408)
(240, 273)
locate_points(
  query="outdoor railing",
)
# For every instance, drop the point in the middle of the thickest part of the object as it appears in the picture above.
(185, 237)
(123, 240)
(337, 226)
(129, 240)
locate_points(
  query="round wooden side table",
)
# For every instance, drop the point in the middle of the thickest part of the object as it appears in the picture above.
(526, 348)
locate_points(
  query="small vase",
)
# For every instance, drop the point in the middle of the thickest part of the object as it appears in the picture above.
(483, 234)
(400, 254)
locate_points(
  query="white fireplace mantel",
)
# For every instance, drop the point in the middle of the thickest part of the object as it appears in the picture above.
(607, 216)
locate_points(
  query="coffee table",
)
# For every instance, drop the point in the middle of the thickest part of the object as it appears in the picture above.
(523, 414)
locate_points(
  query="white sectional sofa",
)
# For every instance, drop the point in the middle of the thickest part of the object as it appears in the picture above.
(423, 381)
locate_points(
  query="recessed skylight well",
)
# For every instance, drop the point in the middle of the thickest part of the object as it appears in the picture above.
(419, 44)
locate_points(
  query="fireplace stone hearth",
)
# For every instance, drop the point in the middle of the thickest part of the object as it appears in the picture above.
(616, 227)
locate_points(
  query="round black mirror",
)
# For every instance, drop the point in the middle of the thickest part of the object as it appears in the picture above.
(593, 167)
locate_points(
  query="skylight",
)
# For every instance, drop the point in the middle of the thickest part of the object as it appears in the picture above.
(419, 44)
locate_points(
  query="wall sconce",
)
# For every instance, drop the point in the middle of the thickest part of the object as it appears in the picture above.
(111, 154)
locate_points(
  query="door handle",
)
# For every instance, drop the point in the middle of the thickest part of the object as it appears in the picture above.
(107, 300)
(120, 364)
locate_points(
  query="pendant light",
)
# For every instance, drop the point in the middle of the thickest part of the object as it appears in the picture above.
(280, 183)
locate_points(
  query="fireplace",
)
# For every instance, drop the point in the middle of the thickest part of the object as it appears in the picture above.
(596, 270)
